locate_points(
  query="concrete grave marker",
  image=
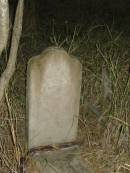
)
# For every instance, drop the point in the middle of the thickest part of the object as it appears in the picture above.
(53, 95)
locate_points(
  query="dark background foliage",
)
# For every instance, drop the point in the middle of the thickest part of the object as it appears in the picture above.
(117, 11)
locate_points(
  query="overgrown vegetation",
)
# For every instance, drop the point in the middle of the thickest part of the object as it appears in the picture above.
(104, 123)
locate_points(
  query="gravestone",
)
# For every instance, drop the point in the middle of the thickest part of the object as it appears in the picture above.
(53, 96)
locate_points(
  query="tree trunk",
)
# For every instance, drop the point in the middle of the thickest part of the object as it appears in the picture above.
(10, 68)
(4, 24)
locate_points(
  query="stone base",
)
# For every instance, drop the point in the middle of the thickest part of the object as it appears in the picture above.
(67, 160)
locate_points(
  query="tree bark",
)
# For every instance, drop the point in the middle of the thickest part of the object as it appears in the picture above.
(4, 24)
(10, 68)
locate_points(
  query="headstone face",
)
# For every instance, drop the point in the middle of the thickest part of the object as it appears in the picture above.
(53, 95)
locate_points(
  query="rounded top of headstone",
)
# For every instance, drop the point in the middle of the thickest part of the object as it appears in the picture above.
(56, 50)
(54, 54)
(52, 48)
(50, 52)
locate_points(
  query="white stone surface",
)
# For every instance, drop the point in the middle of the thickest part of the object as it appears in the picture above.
(53, 96)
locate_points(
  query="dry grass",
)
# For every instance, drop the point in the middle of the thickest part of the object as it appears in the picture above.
(105, 111)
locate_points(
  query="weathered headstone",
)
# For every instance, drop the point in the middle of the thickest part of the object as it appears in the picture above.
(53, 95)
